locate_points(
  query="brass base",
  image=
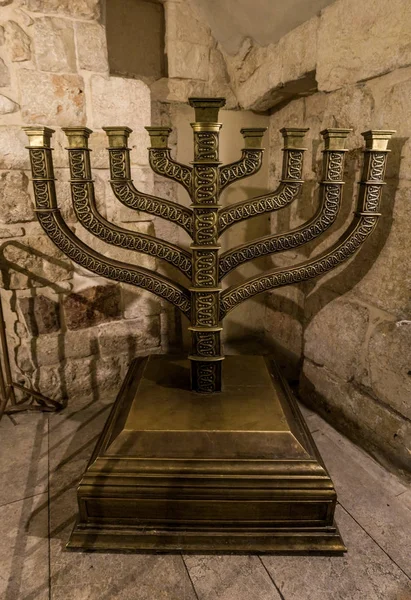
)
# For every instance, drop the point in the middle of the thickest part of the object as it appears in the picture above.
(232, 471)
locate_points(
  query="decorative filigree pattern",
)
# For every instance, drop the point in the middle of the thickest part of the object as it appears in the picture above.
(205, 184)
(206, 145)
(249, 163)
(206, 377)
(119, 163)
(38, 163)
(162, 164)
(77, 164)
(206, 343)
(373, 198)
(206, 311)
(377, 166)
(335, 165)
(204, 268)
(294, 163)
(205, 227)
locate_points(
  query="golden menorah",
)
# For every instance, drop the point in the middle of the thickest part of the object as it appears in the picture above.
(186, 433)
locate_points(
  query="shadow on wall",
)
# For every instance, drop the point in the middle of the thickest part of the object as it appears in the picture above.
(65, 343)
(312, 296)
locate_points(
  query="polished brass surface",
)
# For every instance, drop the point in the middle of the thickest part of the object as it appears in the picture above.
(239, 472)
(195, 456)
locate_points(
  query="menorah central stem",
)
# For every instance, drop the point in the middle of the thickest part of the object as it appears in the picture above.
(206, 351)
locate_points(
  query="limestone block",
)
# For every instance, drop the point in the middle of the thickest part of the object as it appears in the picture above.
(188, 61)
(183, 26)
(387, 281)
(133, 336)
(34, 262)
(16, 202)
(7, 105)
(11, 231)
(118, 101)
(365, 420)
(41, 314)
(52, 99)
(54, 44)
(249, 57)
(357, 42)
(91, 46)
(97, 304)
(86, 9)
(139, 303)
(298, 50)
(5, 2)
(335, 337)
(13, 153)
(138, 142)
(2, 35)
(391, 95)
(256, 90)
(177, 90)
(80, 345)
(218, 84)
(82, 377)
(48, 349)
(389, 358)
(4, 74)
(24, 358)
(18, 42)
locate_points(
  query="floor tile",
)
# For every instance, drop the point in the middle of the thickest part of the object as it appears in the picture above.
(98, 576)
(369, 500)
(24, 558)
(23, 456)
(365, 572)
(232, 577)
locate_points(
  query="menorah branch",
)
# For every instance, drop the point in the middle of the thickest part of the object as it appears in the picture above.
(250, 161)
(325, 216)
(286, 192)
(161, 161)
(55, 227)
(364, 222)
(82, 191)
(125, 191)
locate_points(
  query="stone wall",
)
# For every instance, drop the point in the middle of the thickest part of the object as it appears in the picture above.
(347, 337)
(68, 331)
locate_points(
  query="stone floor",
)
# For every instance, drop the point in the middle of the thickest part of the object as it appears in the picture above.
(42, 457)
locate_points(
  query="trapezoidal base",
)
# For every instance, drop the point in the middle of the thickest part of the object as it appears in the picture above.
(236, 471)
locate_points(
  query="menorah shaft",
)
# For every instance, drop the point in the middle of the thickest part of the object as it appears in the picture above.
(206, 350)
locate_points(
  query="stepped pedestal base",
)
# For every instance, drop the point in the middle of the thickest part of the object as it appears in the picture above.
(233, 471)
